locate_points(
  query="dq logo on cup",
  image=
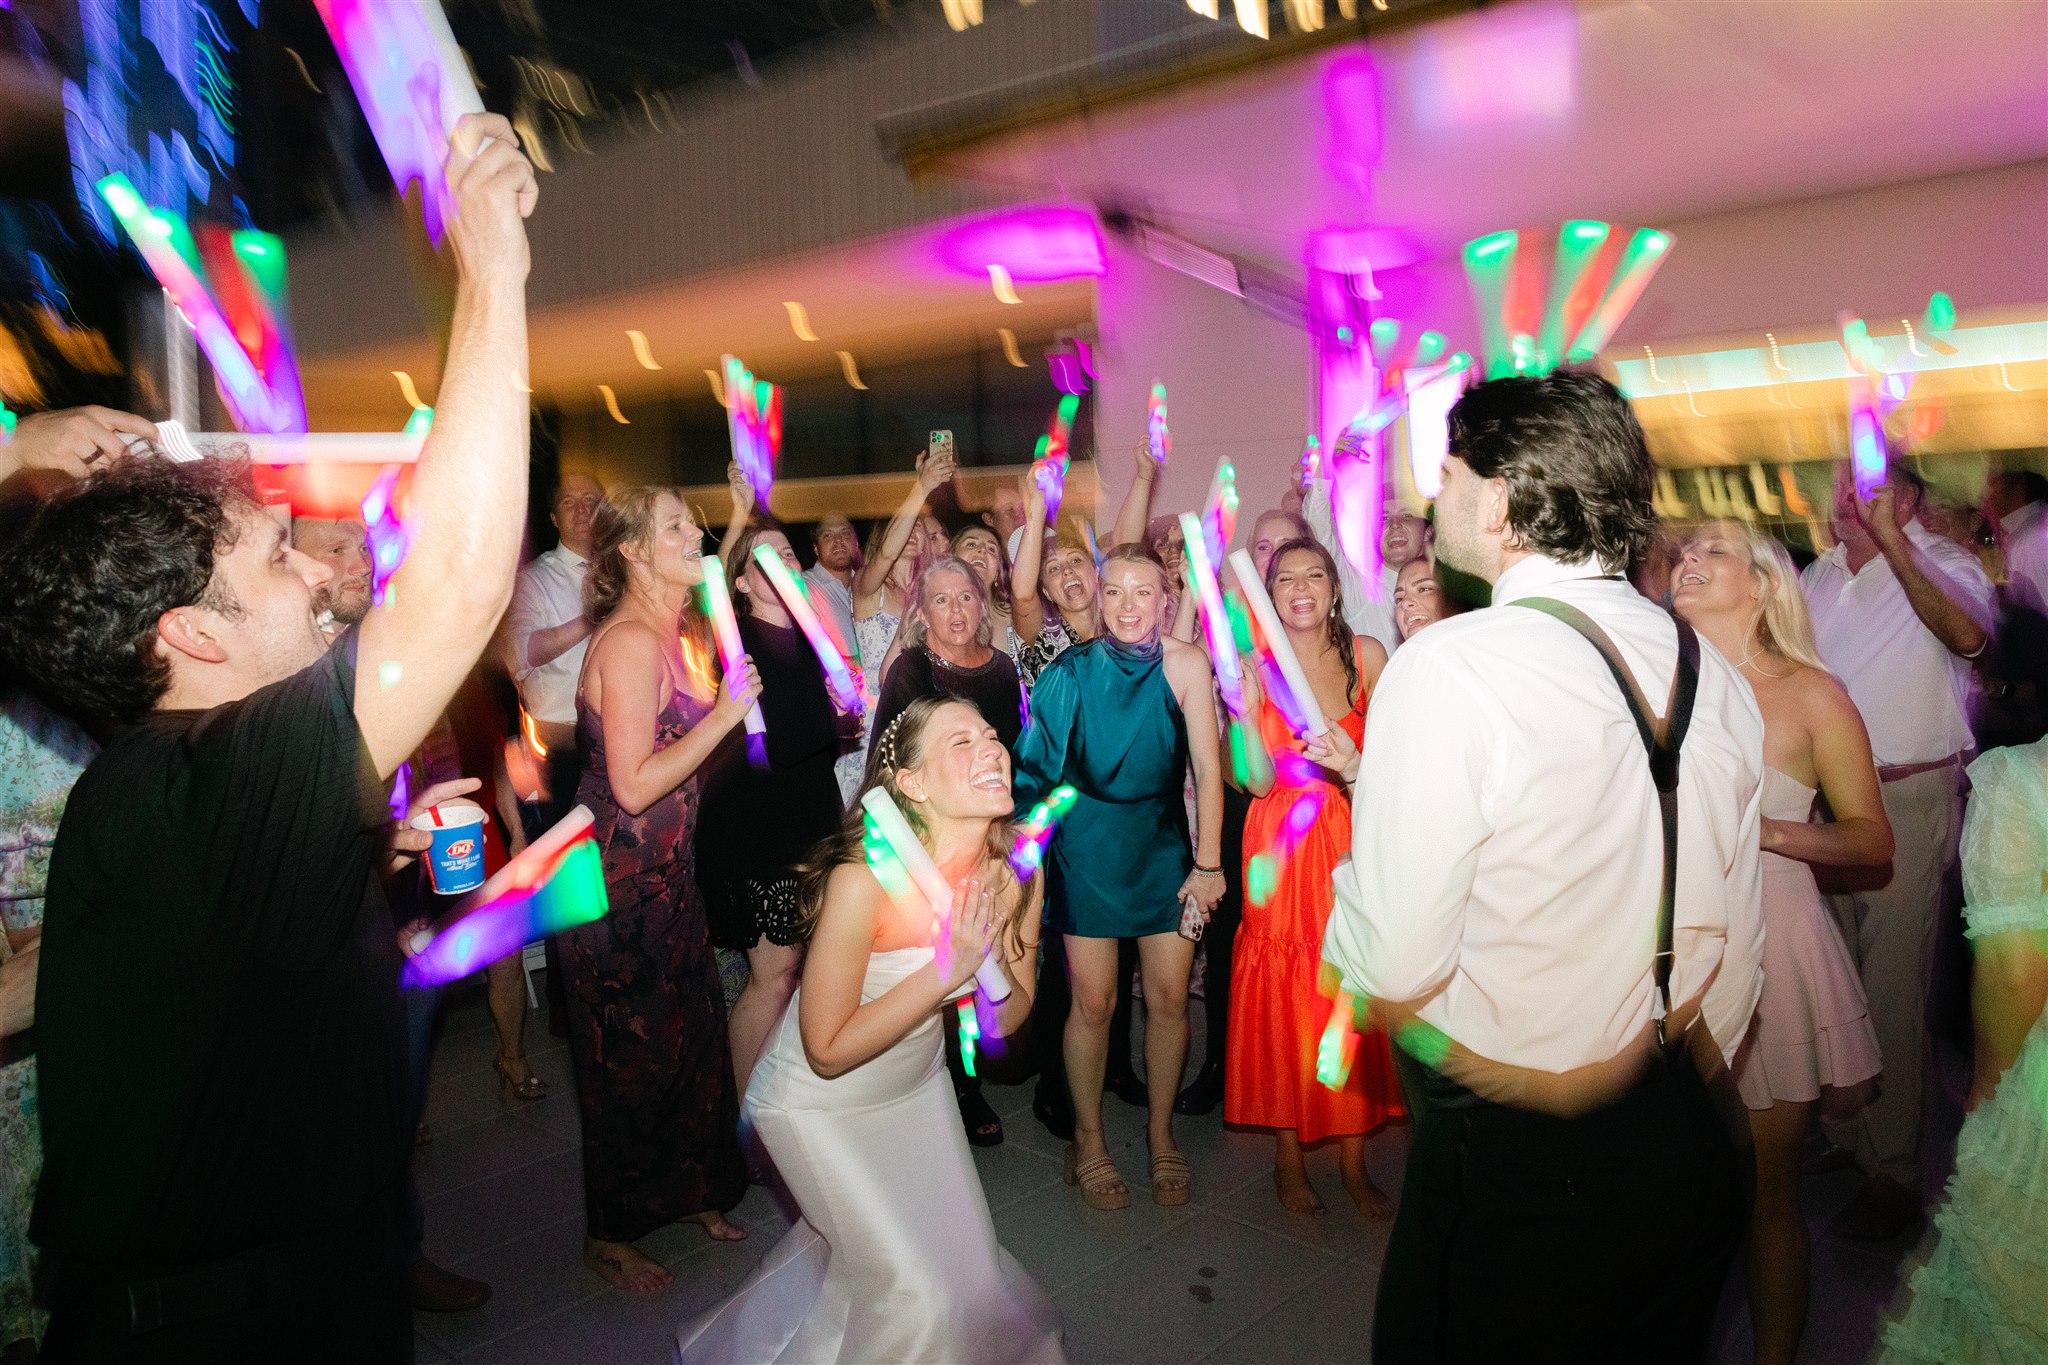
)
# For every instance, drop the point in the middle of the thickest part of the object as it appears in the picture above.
(455, 862)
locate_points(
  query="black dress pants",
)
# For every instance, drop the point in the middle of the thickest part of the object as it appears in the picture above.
(1526, 1237)
(1221, 935)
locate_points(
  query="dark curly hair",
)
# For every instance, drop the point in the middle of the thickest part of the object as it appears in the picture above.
(82, 587)
(1578, 471)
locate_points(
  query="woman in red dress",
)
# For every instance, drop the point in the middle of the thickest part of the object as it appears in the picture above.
(1298, 829)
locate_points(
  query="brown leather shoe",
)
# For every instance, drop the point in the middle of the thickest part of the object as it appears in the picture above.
(435, 1290)
(1882, 1211)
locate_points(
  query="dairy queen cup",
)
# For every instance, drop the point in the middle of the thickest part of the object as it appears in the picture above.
(455, 862)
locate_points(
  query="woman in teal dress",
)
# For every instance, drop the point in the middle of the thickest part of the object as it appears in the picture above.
(1119, 719)
(1980, 1296)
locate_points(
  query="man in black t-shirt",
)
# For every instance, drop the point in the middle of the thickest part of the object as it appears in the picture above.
(218, 1021)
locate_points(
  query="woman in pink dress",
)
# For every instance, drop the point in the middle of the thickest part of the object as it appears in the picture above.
(1812, 1040)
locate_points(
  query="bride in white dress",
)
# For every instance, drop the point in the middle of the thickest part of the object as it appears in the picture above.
(895, 1257)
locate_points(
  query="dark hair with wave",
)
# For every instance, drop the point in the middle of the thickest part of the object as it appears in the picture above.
(1336, 628)
(1578, 471)
(899, 746)
(740, 554)
(82, 587)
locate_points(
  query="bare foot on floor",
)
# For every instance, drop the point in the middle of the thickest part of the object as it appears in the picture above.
(622, 1264)
(718, 1227)
(1296, 1194)
(1372, 1201)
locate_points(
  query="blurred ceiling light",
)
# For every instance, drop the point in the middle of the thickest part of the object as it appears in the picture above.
(717, 387)
(1251, 17)
(1303, 16)
(1205, 8)
(1036, 245)
(405, 386)
(611, 405)
(1010, 351)
(999, 279)
(962, 14)
(1499, 66)
(851, 371)
(798, 322)
(641, 351)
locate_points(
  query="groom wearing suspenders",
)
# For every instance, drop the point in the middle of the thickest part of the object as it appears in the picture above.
(1553, 898)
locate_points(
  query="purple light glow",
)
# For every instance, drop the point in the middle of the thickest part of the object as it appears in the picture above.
(1033, 245)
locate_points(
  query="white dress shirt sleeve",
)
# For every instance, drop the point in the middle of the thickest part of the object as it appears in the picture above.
(527, 614)
(1419, 818)
(1736, 963)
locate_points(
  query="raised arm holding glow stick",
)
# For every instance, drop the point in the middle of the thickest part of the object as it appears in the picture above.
(1279, 646)
(1222, 647)
(731, 653)
(914, 867)
(798, 604)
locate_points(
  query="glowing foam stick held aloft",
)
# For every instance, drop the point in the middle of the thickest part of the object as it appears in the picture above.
(1338, 1047)
(731, 653)
(1222, 648)
(555, 883)
(1157, 434)
(1035, 831)
(1219, 509)
(1866, 438)
(901, 861)
(1489, 260)
(1647, 251)
(1050, 462)
(1276, 644)
(798, 604)
(1568, 304)
(753, 411)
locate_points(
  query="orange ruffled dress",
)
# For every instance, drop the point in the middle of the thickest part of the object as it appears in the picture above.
(1277, 1014)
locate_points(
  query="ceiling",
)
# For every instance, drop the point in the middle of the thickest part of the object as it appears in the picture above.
(1545, 110)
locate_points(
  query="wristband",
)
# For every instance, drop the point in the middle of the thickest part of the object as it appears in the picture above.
(1201, 871)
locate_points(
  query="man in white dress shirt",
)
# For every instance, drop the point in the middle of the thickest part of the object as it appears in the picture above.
(837, 547)
(1572, 1192)
(545, 633)
(1898, 613)
(2017, 501)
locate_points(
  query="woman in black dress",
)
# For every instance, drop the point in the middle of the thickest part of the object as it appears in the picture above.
(654, 1080)
(759, 823)
(946, 650)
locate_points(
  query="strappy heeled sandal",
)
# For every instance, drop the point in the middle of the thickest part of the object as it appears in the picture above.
(1173, 1180)
(526, 1091)
(1101, 1187)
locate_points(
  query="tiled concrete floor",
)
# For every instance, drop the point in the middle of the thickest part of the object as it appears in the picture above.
(1230, 1278)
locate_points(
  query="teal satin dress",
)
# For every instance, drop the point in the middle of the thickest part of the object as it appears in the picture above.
(1105, 721)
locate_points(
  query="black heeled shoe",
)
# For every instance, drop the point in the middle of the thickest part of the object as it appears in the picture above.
(1126, 1086)
(1202, 1094)
(1053, 1107)
(984, 1127)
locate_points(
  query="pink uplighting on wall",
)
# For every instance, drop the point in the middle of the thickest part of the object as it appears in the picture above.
(1035, 245)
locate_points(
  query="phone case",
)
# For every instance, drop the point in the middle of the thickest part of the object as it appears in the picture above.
(941, 444)
(1192, 920)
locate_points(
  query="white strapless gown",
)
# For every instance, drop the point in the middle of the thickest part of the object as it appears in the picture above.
(895, 1258)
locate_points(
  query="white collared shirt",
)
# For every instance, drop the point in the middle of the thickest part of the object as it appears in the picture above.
(1507, 851)
(828, 590)
(2024, 533)
(548, 593)
(1911, 690)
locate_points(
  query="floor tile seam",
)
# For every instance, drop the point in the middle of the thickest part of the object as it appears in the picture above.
(497, 1174)
(1179, 1222)
(470, 1351)
(470, 1256)
(1294, 1238)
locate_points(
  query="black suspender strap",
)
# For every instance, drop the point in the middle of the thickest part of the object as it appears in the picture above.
(1661, 741)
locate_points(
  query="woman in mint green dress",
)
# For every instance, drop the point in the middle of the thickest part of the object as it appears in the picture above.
(1983, 1295)
(1120, 719)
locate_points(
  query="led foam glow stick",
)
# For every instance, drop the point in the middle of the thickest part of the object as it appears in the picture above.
(1569, 304)
(900, 862)
(555, 883)
(1489, 260)
(413, 85)
(1301, 702)
(731, 653)
(1157, 434)
(1866, 438)
(1051, 460)
(970, 1032)
(294, 448)
(1034, 833)
(1222, 648)
(167, 248)
(386, 534)
(753, 411)
(1219, 510)
(1647, 250)
(798, 604)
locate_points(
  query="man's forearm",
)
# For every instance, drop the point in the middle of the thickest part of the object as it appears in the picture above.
(545, 646)
(1958, 632)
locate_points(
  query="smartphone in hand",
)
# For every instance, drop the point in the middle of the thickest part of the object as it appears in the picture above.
(941, 446)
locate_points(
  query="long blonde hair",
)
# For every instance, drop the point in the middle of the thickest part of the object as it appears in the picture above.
(1780, 620)
(625, 518)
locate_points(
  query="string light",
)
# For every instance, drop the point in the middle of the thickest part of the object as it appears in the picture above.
(1010, 351)
(852, 372)
(405, 387)
(611, 405)
(717, 387)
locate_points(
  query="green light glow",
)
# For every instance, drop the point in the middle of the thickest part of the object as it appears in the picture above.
(1578, 243)
(1489, 262)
